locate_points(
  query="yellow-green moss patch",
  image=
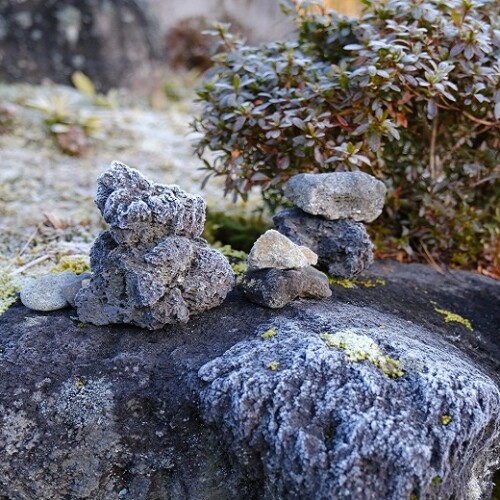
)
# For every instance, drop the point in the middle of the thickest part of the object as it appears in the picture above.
(446, 419)
(8, 291)
(341, 282)
(77, 264)
(273, 365)
(272, 332)
(359, 347)
(451, 317)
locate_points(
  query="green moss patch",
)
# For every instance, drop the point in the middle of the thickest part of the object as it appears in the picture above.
(359, 347)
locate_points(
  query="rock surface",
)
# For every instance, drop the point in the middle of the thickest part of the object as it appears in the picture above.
(112, 412)
(150, 268)
(343, 247)
(316, 421)
(274, 250)
(113, 42)
(338, 195)
(47, 292)
(275, 288)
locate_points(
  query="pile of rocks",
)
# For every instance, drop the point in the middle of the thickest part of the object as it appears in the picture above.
(150, 268)
(280, 271)
(328, 220)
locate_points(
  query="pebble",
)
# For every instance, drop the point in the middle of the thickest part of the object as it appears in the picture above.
(46, 293)
(275, 288)
(276, 251)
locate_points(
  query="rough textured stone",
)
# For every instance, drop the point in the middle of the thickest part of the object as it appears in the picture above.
(343, 247)
(46, 293)
(338, 195)
(113, 42)
(69, 290)
(274, 250)
(110, 413)
(313, 418)
(275, 288)
(150, 268)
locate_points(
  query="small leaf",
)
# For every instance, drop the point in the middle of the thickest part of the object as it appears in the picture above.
(83, 83)
(432, 109)
(497, 111)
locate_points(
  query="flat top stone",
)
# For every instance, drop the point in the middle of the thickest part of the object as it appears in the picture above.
(274, 250)
(338, 195)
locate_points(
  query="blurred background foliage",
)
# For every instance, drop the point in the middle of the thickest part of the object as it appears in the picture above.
(409, 92)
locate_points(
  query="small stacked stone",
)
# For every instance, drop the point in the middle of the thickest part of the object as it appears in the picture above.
(279, 271)
(331, 209)
(151, 267)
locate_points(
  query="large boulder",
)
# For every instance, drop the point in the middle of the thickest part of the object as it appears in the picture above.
(119, 412)
(114, 42)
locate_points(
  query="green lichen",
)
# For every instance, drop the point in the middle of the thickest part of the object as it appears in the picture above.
(80, 383)
(359, 347)
(8, 291)
(354, 283)
(436, 480)
(451, 317)
(81, 325)
(272, 332)
(341, 282)
(77, 264)
(273, 365)
(446, 419)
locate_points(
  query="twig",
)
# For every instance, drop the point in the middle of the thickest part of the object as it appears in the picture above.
(430, 259)
(432, 153)
(35, 262)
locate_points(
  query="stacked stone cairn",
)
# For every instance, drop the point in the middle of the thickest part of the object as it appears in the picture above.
(328, 218)
(150, 268)
(279, 271)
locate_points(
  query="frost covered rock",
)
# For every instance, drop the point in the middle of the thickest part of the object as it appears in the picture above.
(337, 195)
(275, 288)
(274, 250)
(343, 247)
(151, 267)
(47, 292)
(346, 404)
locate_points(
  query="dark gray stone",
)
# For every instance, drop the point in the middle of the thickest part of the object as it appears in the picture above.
(113, 412)
(70, 289)
(343, 247)
(338, 195)
(150, 268)
(113, 42)
(275, 288)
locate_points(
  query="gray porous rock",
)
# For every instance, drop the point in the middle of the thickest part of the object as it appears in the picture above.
(151, 267)
(338, 195)
(47, 292)
(319, 419)
(274, 250)
(343, 247)
(275, 288)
